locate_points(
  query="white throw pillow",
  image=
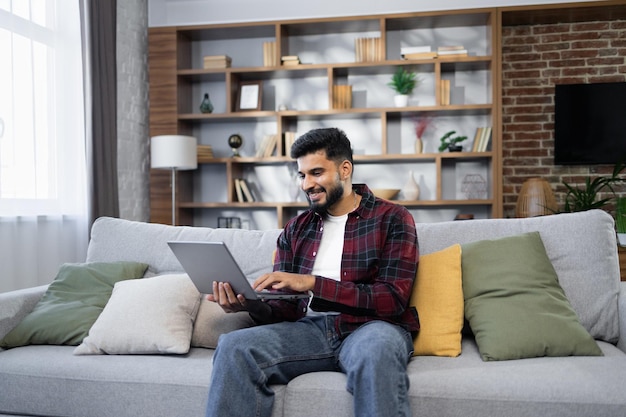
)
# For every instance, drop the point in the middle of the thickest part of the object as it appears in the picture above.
(212, 321)
(145, 316)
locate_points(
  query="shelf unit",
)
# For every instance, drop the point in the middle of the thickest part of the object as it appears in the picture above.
(382, 135)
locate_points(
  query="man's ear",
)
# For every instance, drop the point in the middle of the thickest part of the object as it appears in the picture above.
(345, 169)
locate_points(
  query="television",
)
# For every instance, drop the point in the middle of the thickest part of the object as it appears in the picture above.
(589, 123)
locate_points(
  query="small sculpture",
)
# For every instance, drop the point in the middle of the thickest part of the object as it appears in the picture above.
(206, 106)
(235, 141)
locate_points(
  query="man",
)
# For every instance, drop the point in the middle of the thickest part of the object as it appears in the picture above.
(357, 256)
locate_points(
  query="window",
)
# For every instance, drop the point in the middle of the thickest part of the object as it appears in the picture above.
(42, 150)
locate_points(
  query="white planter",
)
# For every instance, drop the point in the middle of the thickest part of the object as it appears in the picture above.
(401, 100)
(621, 239)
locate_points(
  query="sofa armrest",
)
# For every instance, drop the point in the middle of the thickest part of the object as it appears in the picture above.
(621, 342)
(15, 305)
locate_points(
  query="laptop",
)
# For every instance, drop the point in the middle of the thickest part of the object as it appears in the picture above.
(206, 262)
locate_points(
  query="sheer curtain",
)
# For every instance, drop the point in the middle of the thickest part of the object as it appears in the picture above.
(43, 188)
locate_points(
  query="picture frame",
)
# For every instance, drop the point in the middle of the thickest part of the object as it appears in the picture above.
(249, 95)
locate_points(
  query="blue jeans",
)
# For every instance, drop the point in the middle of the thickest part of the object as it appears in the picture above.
(248, 361)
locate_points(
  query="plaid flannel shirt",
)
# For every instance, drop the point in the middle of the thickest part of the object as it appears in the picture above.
(378, 266)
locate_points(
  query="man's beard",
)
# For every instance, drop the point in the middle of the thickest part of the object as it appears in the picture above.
(333, 195)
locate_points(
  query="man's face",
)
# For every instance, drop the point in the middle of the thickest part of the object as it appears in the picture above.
(320, 181)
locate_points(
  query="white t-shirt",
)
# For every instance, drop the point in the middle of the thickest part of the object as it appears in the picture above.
(328, 259)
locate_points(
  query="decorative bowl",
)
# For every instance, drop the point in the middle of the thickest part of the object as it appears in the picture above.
(386, 193)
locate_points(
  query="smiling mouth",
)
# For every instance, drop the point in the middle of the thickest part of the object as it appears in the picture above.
(315, 195)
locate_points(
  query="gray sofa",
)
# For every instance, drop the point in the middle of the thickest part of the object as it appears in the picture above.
(50, 381)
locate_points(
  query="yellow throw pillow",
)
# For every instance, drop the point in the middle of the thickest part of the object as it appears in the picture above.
(438, 297)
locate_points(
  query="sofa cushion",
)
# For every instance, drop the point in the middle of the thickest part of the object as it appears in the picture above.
(146, 316)
(212, 321)
(71, 304)
(581, 246)
(514, 303)
(438, 297)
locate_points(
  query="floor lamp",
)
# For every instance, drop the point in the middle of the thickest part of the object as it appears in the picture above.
(176, 153)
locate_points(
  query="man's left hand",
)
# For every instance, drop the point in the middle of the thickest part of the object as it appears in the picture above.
(285, 280)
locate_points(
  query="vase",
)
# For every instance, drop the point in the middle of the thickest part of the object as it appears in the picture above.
(411, 190)
(419, 146)
(401, 100)
(206, 106)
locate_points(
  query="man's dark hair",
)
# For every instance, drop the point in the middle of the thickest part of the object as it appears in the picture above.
(331, 140)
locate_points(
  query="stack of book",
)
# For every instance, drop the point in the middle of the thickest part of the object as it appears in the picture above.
(453, 50)
(217, 61)
(482, 139)
(205, 152)
(417, 52)
(445, 92)
(342, 96)
(290, 138)
(269, 54)
(242, 189)
(267, 146)
(289, 60)
(368, 49)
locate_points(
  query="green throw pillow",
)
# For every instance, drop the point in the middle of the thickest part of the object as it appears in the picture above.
(514, 303)
(72, 303)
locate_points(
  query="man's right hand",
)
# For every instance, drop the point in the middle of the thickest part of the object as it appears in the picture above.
(230, 302)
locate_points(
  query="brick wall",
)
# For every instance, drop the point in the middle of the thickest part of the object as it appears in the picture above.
(534, 59)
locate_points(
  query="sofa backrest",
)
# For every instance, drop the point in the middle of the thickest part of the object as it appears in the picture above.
(581, 246)
(123, 240)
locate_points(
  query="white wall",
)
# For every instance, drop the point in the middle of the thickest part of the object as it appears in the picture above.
(132, 110)
(187, 12)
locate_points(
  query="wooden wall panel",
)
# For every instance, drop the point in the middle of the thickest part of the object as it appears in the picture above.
(162, 47)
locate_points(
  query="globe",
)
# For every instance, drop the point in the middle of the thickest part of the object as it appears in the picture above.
(235, 141)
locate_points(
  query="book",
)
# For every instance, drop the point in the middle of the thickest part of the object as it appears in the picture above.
(415, 49)
(290, 60)
(485, 140)
(238, 190)
(482, 139)
(342, 96)
(290, 138)
(446, 48)
(368, 49)
(420, 55)
(453, 53)
(269, 54)
(204, 152)
(217, 61)
(267, 146)
(445, 92)
(246, 190)
(477, 138)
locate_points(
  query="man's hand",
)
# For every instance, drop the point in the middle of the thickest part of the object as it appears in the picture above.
(285, 281)
(230, 302)
(224, 295)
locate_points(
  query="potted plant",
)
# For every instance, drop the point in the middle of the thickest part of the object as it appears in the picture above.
(586, 198)
(403, 82)
(451, 142)
(620, 220)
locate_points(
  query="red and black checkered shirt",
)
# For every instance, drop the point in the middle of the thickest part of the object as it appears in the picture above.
(378, 266)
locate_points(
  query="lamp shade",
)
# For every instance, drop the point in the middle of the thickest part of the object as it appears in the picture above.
(174, 152)
(535, 199)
